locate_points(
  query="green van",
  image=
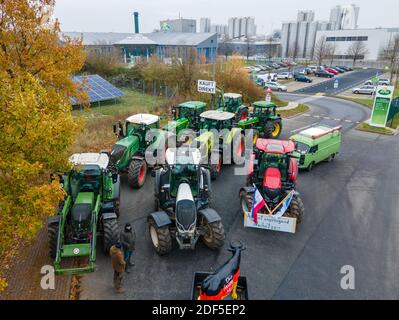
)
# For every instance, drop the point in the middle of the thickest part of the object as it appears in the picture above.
(317, 144)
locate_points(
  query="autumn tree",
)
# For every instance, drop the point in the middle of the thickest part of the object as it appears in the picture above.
(321, 50)
(36, 128)
(357, 50)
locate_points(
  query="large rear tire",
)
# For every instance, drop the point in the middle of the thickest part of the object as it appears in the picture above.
(214, 236)
(137, 173)
(273, 129)
(52, 233)
(160, 238)
(110, 234)
(296, 209)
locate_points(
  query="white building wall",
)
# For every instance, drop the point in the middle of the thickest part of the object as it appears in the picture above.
(377, 39)
(302, 37)
(205, 25)
(284, 38)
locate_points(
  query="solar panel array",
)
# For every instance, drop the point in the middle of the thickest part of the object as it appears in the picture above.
(97, 88)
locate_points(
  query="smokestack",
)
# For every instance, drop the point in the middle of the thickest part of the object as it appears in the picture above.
(136, 22)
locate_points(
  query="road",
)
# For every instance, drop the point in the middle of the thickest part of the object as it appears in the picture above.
(351, 218)
(346, 82)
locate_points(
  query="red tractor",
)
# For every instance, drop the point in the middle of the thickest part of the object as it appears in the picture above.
(274, 172)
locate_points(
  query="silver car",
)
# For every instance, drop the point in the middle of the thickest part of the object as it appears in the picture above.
(364, 90)
(275, 86)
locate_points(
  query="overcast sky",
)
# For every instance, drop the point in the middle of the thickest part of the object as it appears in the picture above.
(116, 15)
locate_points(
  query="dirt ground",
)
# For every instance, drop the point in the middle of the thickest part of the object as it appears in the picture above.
(23, 275)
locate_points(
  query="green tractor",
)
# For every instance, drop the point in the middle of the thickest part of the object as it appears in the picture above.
(186, 116)
(90, 208)
(232, 102)
(264, 119)
(182, 198)
(230, 139)
(128, 153)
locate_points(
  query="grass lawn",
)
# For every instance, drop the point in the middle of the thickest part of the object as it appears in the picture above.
(366, 127)
(301, 108)
(132, 102)
(367, 102)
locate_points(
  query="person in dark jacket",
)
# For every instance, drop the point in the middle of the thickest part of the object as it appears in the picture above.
(128, 239)
(119, 265)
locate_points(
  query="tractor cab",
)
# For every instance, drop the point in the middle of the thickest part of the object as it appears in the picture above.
(276, 168)
(87, 173)
(264, 109)
(265, 119)
(216, 119)
(183, 167)
(139, 124)
(186, 115)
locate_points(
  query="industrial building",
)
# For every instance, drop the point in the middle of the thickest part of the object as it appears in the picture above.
(375, 40)
(205, 25)
(298, 37)
(344, 17)
(101, 43)
(179, 25)
(265, 48)
(241, 27)
(168, 45)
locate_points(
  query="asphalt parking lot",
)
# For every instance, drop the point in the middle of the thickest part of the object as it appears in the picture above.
(345, 82)
(351, 218)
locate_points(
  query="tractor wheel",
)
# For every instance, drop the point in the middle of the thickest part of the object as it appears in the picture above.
(296, 209)
(246, 200)
(273, 129)
(242, 114)
(160, 238)
(216, 168)
(110, 234)
(137, 173)
(52, 232)
(214, 236)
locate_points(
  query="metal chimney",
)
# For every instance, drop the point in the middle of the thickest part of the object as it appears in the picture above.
(136, 22)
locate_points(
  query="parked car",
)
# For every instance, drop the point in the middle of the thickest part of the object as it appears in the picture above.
(302, 78)
(381, 82)
(368, 89)
(313, 69)
(323, 74)
(275, 86)
(347, 68)
(268, 77)
(331, 70)
(284, 75)
(338, 69)
(260, 67)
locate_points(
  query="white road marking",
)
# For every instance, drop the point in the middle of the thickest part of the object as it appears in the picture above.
(336, 119)
(348, 121)
(327, 118)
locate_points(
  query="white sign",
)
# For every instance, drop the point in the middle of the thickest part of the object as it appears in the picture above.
(336, 84)
(206, 86)
(282, 224)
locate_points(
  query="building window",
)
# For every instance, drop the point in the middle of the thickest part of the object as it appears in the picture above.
(331, 39)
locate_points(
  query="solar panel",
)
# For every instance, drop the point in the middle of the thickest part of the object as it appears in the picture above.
(97, 88)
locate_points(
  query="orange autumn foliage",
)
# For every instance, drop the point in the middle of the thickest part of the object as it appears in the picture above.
(36, 125)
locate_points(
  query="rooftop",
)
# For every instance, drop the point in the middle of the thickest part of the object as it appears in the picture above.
(97, 38)
(170, 38)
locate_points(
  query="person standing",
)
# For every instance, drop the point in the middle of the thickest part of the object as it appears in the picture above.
(128, 239)
(119, 265)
